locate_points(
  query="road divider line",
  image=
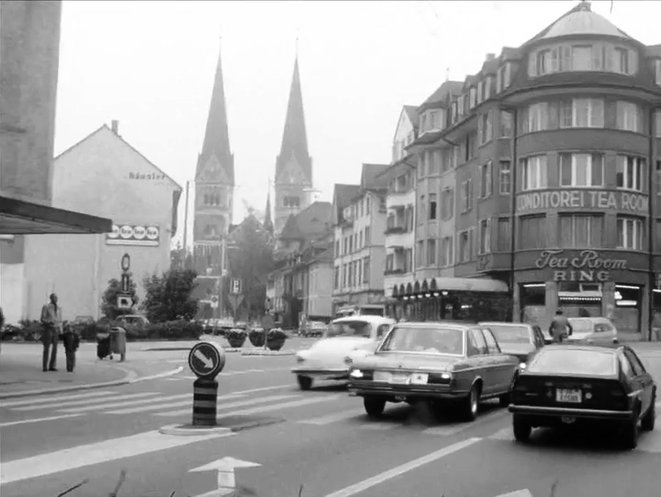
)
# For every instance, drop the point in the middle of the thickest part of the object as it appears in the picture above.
(231, 405)
(53, 398)
(359, 487)
(264, 389)
(95, 453)
(167, 405)
(333, 418)
(283, 405)
(85, 401)
(38, 420)
(129, 403)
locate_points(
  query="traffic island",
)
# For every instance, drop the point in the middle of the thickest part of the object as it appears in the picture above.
(227, 425)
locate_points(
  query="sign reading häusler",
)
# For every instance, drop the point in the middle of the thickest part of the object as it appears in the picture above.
(134, 234)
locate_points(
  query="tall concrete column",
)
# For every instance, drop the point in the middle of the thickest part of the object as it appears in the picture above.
(552, 302)
(516, 303)
(644, 313)
(608, 299)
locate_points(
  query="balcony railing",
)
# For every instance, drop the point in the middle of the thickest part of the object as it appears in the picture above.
(395, 230)
(388, 272)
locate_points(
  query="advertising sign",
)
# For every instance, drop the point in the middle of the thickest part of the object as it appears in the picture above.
(582, 199)
(134, 234)
(587, 266)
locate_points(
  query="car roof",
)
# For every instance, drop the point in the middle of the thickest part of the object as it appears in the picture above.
(438, 324)
(504, 323)
(365, 317)
(587, 347)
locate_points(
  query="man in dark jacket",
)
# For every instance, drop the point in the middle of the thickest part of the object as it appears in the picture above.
(560, 327)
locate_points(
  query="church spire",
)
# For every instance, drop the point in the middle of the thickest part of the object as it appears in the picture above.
(268, 222)
(216, 137)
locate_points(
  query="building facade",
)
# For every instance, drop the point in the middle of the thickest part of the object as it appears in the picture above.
(359, 240)
(552, 155)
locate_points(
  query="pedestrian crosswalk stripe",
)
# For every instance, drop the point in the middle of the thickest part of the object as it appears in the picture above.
(333, 418)
(129, 403)
(38, 420)
(53, 398)
(86, 401)
(283, 405)
(231, 405)
(168, 405)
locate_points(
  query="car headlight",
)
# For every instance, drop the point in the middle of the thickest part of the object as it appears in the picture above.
(522, 366)
(356, 373)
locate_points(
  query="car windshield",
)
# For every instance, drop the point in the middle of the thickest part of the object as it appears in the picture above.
(348, 329)
(424, 340)
(510, 334)
(568, 361)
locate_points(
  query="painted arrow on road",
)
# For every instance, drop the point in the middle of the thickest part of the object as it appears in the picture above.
(519, 493)
(208, 363)
(225, 468)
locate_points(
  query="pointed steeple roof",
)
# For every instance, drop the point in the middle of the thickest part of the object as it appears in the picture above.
(294, 138)
(216, 136)
(268, 222)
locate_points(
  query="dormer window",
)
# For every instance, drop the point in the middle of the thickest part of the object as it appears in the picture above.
(602, 56)
(472, 96)
(657, 72)
(480, 92)
(487, 87)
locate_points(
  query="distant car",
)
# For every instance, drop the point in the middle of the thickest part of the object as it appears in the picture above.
(314, 329)
(568, 384)
(448, 364)
(329, 357)
(596, 330)
(518, 339)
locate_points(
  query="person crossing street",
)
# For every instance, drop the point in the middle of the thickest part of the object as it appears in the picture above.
(51, 320)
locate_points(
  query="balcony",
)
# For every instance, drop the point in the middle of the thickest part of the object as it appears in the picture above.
(390, 272)
(395, 230)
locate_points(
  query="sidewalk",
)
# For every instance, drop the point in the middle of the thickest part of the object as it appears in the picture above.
(21, 374)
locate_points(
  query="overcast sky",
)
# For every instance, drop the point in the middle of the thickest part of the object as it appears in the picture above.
(150, 65)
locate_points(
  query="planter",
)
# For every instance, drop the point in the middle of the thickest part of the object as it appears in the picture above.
(236, 342)
(256, 337)
(275, 344)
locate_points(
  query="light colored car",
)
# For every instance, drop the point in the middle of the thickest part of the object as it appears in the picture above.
(592, 330)
(521, 340)
(345, 338)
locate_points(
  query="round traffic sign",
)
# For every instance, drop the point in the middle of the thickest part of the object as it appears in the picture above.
(206, 359)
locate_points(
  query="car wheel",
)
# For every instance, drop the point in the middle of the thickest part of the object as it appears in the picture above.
(504, 400)
(471, 403)
(629, 433)
(374, 406)
(304, 382)
(521, 428)
(647, 423)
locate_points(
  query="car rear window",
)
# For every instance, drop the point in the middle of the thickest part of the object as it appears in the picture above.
(510, 334)
(424, 340)
(348, 329)
(567, 361)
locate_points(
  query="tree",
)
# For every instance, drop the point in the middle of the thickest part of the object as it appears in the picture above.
(168, 297)
(251, 260)
(180, 258)
(109, 299)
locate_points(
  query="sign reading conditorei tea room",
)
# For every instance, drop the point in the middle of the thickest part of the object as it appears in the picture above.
(134, 234)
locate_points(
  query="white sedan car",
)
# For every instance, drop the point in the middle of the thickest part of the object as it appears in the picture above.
(330, 357)
(592, 330)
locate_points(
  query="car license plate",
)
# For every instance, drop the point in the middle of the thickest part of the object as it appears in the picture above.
(399, 379)
(568, 395)
(382, 376)
(419, 378)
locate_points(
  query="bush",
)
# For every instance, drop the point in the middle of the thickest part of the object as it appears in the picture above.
(175, 330)
(236, 337)
(30, 330)
(256, 337)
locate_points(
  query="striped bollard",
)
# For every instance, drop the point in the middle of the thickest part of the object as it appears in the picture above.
(206, 360)
(205, 393)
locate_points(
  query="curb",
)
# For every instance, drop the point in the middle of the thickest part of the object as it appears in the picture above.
(130, 378)
(190, 430)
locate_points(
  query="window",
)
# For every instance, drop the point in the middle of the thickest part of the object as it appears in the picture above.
(543, 62)
(337, 248)
(485, 236)
(587, 113)
(581, 231)
(492, 344)
(464, 249)
(454, 112)
(476, 343)
(658, 235)
(629, 116)
(472, 97)
(532, 232)
(537, 117)
(469, 145)
(368, 203)
(336, 277)
(504, 235)
(485, 125)
(360, 240)
(368, 236)
(621, 60)
(350, 275)
(431, 252)
(505, 178)
(657, 72)
(480, 91)
(447, 203)
(408, 261)
(485, 180)
(466, 195)
(581, 169)
(534, 172)
(366, 270)
(658, 177)
(581, 58)
(432, 206)
(488, 84)
(419, 254)
(657, 123)
(423, 209)
(506, 124)
(630, 172)
(291, 202)
(629, 232)
(446, 251)
(507, 75)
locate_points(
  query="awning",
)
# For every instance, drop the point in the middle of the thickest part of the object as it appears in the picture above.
(18, 217)
(452, 284)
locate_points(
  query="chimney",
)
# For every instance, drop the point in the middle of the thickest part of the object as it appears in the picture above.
(491, 56)
(114, 125)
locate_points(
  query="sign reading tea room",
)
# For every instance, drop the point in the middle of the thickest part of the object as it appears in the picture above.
(587, 266)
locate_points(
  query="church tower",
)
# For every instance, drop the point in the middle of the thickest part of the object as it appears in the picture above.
(214, 185)
(293, 169)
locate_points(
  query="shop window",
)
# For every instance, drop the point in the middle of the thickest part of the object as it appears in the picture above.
(446, 251)
(581, 169)
(431, 252)
(534, 172)
(581, 231)
(485, 236)
(628, 116)
(532, 232)
(505, 178)
(630, 172)
(630, 232)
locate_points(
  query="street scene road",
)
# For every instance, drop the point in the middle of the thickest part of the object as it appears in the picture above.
(310, 443)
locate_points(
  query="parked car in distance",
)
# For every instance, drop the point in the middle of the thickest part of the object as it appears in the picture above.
(313, 329)
(329, 357)
(592, 330)
(446, 364)
(521, 340)
(568, 384)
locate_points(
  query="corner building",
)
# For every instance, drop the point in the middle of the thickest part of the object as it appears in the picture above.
(554, 152)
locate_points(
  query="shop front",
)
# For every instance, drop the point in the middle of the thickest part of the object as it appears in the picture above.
(583, 283)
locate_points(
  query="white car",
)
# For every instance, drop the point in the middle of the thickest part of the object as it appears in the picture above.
(592, 330)
(330, 357)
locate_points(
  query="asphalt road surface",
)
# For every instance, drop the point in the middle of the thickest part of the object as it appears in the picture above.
(317, 443)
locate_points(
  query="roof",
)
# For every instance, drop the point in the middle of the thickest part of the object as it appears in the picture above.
(412, 113)
(439, 324)
(370, 176)
(653, 50)
(396, 169)
(309, 223)
(291, 231)
(365, 317)
(580, 21)
(342, 196)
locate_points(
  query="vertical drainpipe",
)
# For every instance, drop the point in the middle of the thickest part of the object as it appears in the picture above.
(513, 177)
(651, 221)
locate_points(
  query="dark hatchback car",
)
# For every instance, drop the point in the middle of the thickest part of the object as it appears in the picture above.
(518, 339)
(568, 384)
(438, 362)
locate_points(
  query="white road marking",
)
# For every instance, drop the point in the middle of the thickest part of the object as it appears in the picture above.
(403, 468)
(332, 418)
(152, 400)
(38, 420)
(451, 429)
(168, 405)
(86, 401)
(95, 453)
(263, 389)
(505, 434)
(283, 405)
(54, 398)
(231, 405)
(519, 493)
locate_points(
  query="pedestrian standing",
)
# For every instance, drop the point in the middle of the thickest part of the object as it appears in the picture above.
(560, 327)
(51, 321)
(71, 340)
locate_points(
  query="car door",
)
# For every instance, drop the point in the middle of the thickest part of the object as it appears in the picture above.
(501, 366)
(479, 360)
(643, 379)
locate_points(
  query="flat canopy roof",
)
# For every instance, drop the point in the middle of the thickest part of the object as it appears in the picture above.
(18, 217)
